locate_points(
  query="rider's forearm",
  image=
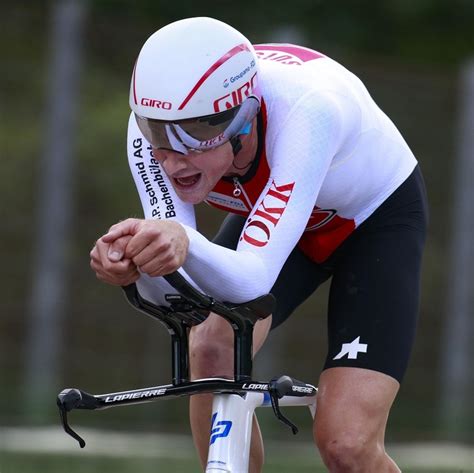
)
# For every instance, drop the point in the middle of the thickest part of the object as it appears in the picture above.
(235, 276)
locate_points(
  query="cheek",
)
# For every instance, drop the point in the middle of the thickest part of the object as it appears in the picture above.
(222, 159)
(212, 164)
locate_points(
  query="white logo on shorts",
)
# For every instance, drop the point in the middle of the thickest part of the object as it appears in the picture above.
(351, 350)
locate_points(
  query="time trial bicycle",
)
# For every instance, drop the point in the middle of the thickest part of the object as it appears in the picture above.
(234, 400)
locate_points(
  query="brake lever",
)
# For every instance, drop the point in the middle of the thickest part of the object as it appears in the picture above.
(276, 389)
(70, 399)
(66, 401)
(67, 428)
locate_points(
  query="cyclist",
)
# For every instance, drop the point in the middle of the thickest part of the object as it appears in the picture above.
(317, 182)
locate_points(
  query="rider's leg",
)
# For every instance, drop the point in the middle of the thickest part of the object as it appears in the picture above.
(372, 314)
(212, 354)
(349, 428)
(211, 343)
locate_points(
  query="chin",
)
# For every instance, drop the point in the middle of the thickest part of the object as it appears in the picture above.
(191, 198)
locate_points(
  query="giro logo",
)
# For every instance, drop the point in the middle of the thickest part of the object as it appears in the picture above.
(156, 103)
(269, 212)
(219, 429)
(236, 97)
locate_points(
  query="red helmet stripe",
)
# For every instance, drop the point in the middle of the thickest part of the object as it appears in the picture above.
(217, 64)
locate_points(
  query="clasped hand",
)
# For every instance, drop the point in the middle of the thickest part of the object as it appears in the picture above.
(134, 246)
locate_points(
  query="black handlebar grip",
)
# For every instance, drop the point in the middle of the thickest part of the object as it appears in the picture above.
(285, 385)
(73, 398)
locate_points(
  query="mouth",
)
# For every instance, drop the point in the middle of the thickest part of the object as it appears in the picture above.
(187, 182)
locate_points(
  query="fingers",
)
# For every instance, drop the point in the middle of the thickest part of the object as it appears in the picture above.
(157, 263)
(126, 227)
(158, 248)
(148, 236)
(121, 273)
(143, 248)
(116, 249)
(155, 247)
(99, 252)
(123, 276)
(109, 265)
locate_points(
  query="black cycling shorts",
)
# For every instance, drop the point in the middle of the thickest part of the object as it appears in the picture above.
(375, 286)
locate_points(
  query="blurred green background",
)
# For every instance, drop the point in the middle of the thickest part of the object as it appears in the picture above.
(410, 54)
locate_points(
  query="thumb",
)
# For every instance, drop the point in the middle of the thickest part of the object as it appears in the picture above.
(117, 248)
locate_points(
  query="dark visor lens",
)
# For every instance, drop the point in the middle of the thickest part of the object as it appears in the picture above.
(198, 133)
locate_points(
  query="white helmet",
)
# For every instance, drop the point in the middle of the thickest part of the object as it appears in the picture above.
(194, 85)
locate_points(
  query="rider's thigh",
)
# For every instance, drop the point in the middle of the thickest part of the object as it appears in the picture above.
(260, 333)
(352, 412)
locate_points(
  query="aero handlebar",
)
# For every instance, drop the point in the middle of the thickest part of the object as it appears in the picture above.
(188, 308)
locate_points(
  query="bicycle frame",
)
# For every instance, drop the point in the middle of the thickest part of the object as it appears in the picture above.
(231, 428)
(234, 400)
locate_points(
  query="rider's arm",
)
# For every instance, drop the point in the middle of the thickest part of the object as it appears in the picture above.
(299, 157)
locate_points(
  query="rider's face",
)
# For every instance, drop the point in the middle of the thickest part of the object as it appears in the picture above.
(193, 176)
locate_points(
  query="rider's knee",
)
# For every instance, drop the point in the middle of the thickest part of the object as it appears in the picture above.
(345, 451)
(211, 353)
